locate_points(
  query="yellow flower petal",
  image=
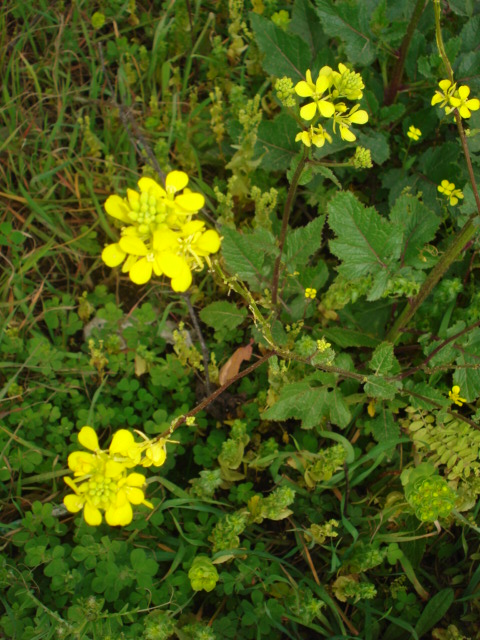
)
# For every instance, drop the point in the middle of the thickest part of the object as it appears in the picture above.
(116, 207)
(128, 264)
(308, 111)
(303, 90)
(176, 181)
(209, 242)
(81, 462)
(182, 280)
(73, 502)
(113, 255)
(327, 109)
(164, 239)
(359, 117)
(153, 188)
(346, 134)
(119, 516)
(192, 227)
(133, 245)
(170, 263)
(134, 495)
(122, 441)
(92, 515)
(113, 469)
(133, 197)
(135, 480)
(141, 271)
(322, 84)
(190, 201)
(88, 438)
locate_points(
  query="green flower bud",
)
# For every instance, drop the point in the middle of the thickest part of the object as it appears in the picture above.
(203, 574)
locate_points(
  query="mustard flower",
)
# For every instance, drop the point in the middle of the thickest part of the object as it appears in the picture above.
(413, 133)
(454, 396)
(449, 191)
(442, 98)
(310, 293)
(101, 484)
(314, 135)
(344, 120)
(461, 102)
(307, 89)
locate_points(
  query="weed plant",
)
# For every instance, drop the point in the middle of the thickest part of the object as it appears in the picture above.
(240, 325)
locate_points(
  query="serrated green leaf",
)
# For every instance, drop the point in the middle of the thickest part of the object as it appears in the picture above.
(434, 611)
(383, 359)
(383, 426)
(302, 401)
(276, 143)
(378, 286)
(366, 242)
(285, 54)
(303, 242)
(327, 173)
(339, 412)
(344, 21)
(223, 315)
(250, 256)
(468, 377)
(420, 225)
(377, 387)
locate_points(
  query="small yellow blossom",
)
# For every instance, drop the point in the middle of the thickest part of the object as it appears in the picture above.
(413, 133)
(449, 191)
(454, 396)
(309, 89)
(314, 135)
(442, 98)
(310, 293)
(461, 102)
(371, 408)
(344, 120)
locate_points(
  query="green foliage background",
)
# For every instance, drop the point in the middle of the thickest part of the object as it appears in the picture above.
(286, 511)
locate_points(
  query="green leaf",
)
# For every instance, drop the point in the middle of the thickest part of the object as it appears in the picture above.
(366, 242)
(434, 611)
(223, 315)
(339, 411)
(301, 401)
(349, 338)
(303, 242)
(377, 142)
(376, 387)
(344, 21)
(468, 378)
(383, 359)
(420, 225)
(383, 426)
(249, 255)
(276, 141)
(285, 54)
(306, 24)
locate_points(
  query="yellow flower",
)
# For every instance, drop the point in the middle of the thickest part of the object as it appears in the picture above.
(310, 293)
(443, 97)
(454, 396)
(315, 91)
(314, 135)
(449, 191)
(413, 133)
(355, 116)
(461, 102)
(101, 483)
(154, 204)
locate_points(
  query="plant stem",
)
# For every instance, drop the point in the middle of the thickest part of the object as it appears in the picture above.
(283, 233)
(203, 345)
(468, 231)
(397, 75)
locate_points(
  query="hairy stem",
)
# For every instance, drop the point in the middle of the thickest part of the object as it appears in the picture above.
(397, 74)
(283, 233)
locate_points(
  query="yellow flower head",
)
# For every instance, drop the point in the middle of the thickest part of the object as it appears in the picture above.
(413, 133)
(310, 293)
(309, 89)
(314, 135)
(454, 396)
(449, 191)
(159, 221)
(102, 485)
(442, 98)
(461, 101)
(344, 120)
